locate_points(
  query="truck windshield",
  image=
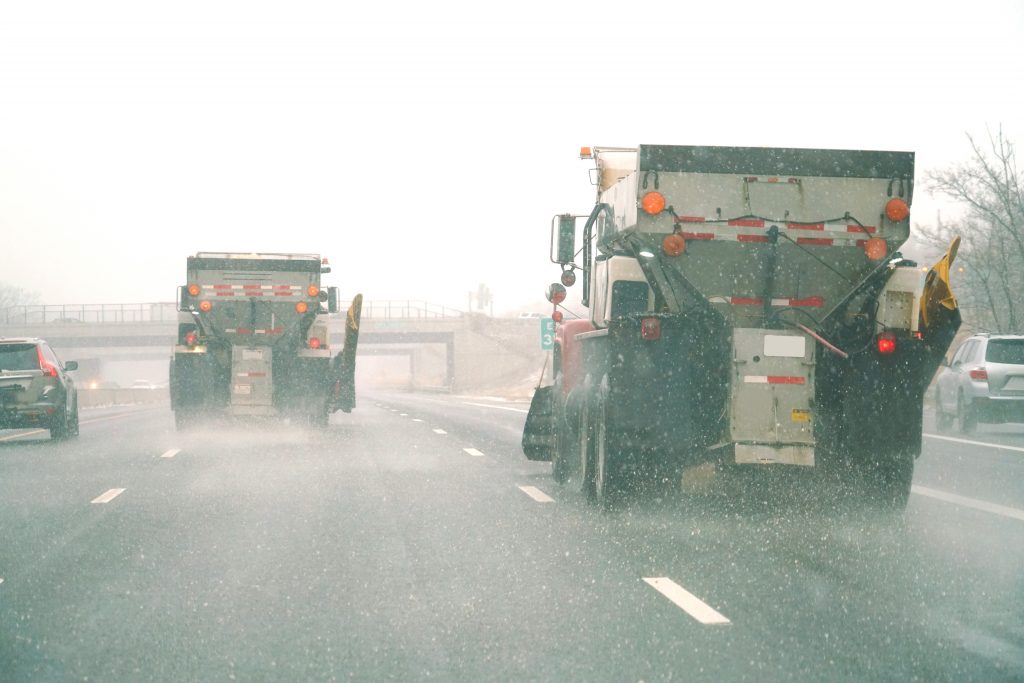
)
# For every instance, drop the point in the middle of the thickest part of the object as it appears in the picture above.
(1005, 351)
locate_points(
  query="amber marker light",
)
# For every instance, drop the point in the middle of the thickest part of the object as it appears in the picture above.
(205, 306)
(193, 290)
(301, 307)
(896, 210)
(312, 290)
(586, 153)
(875, 248)
(653, 203)
(673, 245)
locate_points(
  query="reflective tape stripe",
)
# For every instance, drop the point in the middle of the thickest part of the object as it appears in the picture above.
(757, 301)
(773, 379)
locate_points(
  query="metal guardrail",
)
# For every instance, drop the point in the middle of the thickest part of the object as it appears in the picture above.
(164, 312)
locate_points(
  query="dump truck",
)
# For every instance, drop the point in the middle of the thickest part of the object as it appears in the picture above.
(253, 340)
(748, 308)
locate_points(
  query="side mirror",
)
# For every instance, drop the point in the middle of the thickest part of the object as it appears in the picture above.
(332, 299)
(71, 365)
(555, 293)
(564, 237)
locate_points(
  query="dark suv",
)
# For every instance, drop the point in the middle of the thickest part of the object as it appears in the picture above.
(984, 382)
(35, 389)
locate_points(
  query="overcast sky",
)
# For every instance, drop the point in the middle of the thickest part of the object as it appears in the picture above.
(424, 147)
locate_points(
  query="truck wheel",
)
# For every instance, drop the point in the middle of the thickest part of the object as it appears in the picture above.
(608, 474)
(183, 420)
(888, 482)
(586, 449)
(943, 420)
(966, 416)
(561, 455)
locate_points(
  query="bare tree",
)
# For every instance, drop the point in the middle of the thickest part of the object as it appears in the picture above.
(12, 297)
(987, 185)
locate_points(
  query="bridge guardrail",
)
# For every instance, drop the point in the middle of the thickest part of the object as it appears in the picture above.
(166, 312)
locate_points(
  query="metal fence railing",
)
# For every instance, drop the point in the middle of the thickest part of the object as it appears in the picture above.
(162, 312)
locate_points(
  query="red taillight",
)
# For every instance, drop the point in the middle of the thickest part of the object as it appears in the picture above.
(190, 339)
(314, 343)
(48, 368)
(979, 374)
(650, 329)
(557, 316)
(886, 343)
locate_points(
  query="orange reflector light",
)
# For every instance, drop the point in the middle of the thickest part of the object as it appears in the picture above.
(301, 307)
(876, 248)
(190, 339)
(650, 329)
(193, 290)
(555, 293)
(653, 203)
(897, 210)
(673, 245)
(314, 343)
(886, 343)
(557, 316)
(205, 306)
(312, 290)
(585, 153)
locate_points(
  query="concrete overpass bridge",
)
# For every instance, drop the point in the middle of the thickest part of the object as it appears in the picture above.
(403, 343)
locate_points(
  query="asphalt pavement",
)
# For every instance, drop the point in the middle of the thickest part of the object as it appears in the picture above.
(411, 540)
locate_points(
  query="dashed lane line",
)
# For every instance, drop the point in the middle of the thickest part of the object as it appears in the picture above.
(416, 419)
(403, 415)
(171, 453)
(488, 405)
(474, 452)
(969, 442)
(440, 431)
(985, 506)
(108, 496)
(687, 601)
(536, 494)
(22, 434)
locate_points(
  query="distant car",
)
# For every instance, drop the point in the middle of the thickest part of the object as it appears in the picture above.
(35, 388)
(143, 384)
(984, 382)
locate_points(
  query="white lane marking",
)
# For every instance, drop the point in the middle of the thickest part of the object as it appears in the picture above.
(108, 496)
(536, 494)
(472, 451)
(18, 436)
(974, 443)
(487, 405)
(690, 603)
(403, 415)
(982, 505)
(416, 419)
(1, 580)
(171, 453)
(440, 431)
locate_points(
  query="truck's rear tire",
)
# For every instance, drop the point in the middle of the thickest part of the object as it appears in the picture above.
(183, 420)
(585, 473)
(562, 451)
(888, 480)
(609, 471)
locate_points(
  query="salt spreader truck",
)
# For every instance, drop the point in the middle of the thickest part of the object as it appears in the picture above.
(748, 308)
(253, 340)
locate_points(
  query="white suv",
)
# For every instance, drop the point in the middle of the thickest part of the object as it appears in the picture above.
(984, 382)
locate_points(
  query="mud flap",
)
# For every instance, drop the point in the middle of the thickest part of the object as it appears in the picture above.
(539, 430)
(343, 366)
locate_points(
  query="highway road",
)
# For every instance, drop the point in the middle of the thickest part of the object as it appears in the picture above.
(412, 541)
